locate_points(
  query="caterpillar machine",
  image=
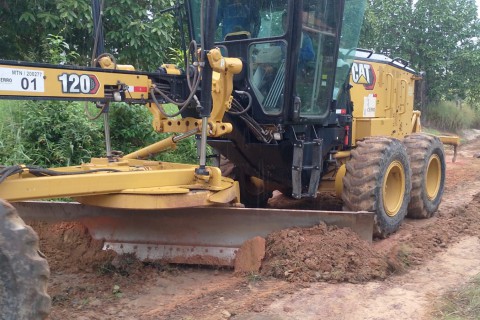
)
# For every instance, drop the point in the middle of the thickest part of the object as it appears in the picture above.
(274, 86)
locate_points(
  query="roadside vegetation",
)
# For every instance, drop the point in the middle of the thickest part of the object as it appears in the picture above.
(58, 133)
(53, 133)
(461, 304)
(144, 35)
(449, 116)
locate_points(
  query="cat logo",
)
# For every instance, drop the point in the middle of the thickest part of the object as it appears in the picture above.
(363, 73)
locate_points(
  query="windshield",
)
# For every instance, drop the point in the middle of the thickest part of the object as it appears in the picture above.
(316, 63)
(318, 58)
(352, 23)
(243, 19)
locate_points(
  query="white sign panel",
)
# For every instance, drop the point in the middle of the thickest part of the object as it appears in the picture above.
(23, 80)
(369, 106)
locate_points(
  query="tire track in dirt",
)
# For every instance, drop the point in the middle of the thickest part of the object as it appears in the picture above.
(402, 297)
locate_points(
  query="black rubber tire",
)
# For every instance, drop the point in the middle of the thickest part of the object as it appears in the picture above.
(24, 270)
(427, 158)
(364, 182)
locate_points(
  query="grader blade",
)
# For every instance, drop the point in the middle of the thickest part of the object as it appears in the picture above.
(206, 235)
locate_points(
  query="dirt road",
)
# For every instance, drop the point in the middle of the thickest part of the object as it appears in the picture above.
(420, 262)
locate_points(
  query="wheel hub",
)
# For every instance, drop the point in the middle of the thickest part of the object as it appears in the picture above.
(393, 188)
(433, 177)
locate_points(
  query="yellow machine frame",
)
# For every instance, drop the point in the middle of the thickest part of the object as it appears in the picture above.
(383, 98)
(128, 183)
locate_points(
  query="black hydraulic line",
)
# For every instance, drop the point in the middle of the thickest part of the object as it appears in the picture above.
(42, 172)
(179, 16)
(175, 7)
(240, 110)
(39, 172)
(9, 171)
(209, 23)
(99, 44)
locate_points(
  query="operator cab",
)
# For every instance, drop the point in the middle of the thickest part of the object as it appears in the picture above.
(296, 64)
(290, 53)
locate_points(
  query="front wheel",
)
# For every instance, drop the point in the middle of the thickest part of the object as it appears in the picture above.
(378, 179)
(24, 271)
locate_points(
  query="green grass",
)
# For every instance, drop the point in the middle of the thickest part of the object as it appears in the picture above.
(12, 149)
(446, 116)
(432, 131)
(7, 110)
(462, 303)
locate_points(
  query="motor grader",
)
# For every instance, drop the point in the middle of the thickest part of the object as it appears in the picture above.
(279, 91)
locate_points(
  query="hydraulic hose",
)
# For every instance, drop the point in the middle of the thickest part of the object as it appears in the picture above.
(41, 172)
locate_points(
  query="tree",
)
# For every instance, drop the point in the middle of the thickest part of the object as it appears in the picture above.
(445, 32)
(439, 37)
(387, 25)
(136, 31)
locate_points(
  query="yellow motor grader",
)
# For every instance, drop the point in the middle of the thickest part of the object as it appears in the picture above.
(277, 89)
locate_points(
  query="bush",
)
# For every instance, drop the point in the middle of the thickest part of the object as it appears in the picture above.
(131, 129)
(56, 133)
(447, 116)
(52, 134)
(11, 147)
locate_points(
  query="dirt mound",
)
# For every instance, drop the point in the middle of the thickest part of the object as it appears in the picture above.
(69, 247)
(322, 253)
(325, 253)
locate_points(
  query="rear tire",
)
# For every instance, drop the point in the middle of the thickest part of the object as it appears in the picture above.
(427, 160)
(378, 179)
(24, 271)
